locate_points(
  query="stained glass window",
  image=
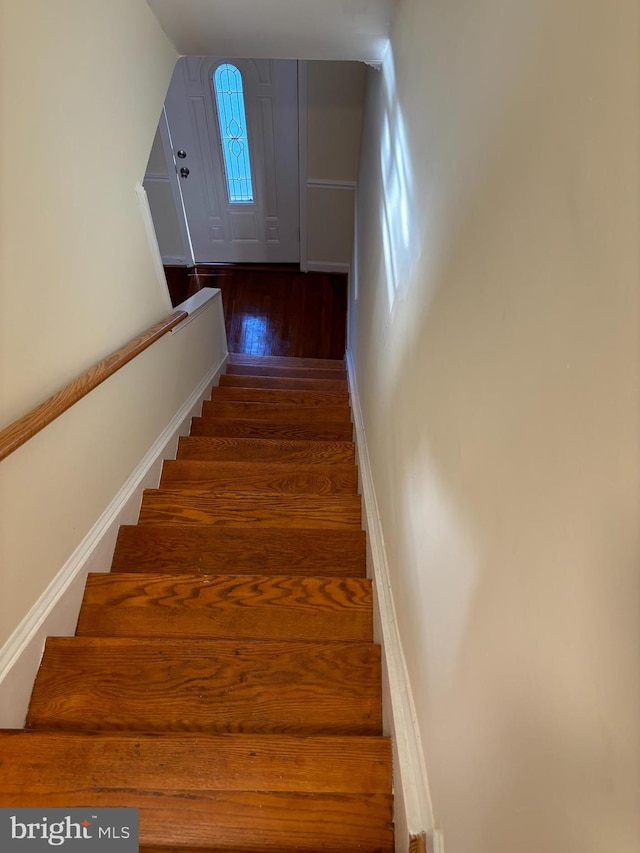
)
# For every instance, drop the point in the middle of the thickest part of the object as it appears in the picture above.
(229, 97)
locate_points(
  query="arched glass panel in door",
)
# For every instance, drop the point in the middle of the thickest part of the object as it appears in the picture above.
(229, 98)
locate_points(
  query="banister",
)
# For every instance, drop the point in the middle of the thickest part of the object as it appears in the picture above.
(21, 430)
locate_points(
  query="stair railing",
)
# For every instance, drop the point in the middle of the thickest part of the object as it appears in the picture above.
(21, 430)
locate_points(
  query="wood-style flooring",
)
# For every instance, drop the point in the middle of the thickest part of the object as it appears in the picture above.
(273, 311)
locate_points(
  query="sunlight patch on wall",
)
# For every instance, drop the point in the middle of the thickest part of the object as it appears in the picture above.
(445, 561)
(400, 243)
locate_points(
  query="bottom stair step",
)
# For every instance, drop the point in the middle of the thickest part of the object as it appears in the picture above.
(268, 687)
(213, 793)
(75, 764)
(252, 821)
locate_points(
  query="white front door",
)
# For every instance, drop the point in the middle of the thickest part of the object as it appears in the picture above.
(240, 209)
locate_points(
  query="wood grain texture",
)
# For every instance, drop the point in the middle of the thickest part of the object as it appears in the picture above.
(263, 476)
(97, 684)
(173, 506)
(418, 843)
(315, 430)
(275, 382)
(287, 361)
(223, 678)
(20, 431)
(285, 372)
(246, 821)
(78, 763)
(232, 606)
(285, 413)
(283, 312)
(280, 395)
(206, 549)
(287, 451)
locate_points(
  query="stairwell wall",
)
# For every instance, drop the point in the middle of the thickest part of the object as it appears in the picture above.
(335, 100)
(495, 346)
(82, 85)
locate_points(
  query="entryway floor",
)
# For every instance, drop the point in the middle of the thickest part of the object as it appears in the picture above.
(280, 311)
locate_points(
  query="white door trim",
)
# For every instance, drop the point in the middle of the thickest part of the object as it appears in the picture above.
(176, 189)
(302, 161)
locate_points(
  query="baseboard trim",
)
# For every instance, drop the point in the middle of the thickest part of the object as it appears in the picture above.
(56, 611)
(328, 266)
(413, 815)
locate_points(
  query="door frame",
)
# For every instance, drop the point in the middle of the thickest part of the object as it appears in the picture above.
(301, 203)
(302, 161)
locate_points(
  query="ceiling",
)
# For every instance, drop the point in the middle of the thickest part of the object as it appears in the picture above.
(278, 29)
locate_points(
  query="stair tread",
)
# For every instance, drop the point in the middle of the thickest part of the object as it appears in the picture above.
(245, 821)
(264, 428)
(94, 684)
(207, 549)
(280, 395)
(182, 506)
(286, 361)
(73, 762)
(286, 451)
(252, 381)
(246, 607)
(291, 413)
(285, 372)
(267, 476)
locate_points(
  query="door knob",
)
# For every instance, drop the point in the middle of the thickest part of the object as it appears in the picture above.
(184, 172)
(181, 154)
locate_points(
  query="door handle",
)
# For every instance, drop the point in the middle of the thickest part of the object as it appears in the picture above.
(184, 172)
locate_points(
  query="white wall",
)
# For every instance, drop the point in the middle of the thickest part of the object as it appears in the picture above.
(335, 101)
(82, 84)
(277, 29)
(496, 345)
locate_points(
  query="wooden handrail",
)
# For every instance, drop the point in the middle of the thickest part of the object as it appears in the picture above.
(20, 431)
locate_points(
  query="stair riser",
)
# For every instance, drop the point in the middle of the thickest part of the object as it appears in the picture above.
(254, 607)
(285, 372)
(173, 507)
(254, 428)
(206, 549)
(279, 382)
(312, 399)
(276, 412)
(171, 762)
(246, 822)
(245, 476)
(287, 361)
(212, 449)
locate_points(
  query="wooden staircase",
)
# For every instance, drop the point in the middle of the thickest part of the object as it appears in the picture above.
(223, 677)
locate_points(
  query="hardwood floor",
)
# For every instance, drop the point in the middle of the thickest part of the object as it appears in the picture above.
(276, 311)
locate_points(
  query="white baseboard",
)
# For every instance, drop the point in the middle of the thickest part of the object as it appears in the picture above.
(56, 611)
(413, 816)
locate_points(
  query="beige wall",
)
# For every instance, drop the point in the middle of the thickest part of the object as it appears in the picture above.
(335, 97)
(496, 346)
(82, 85)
